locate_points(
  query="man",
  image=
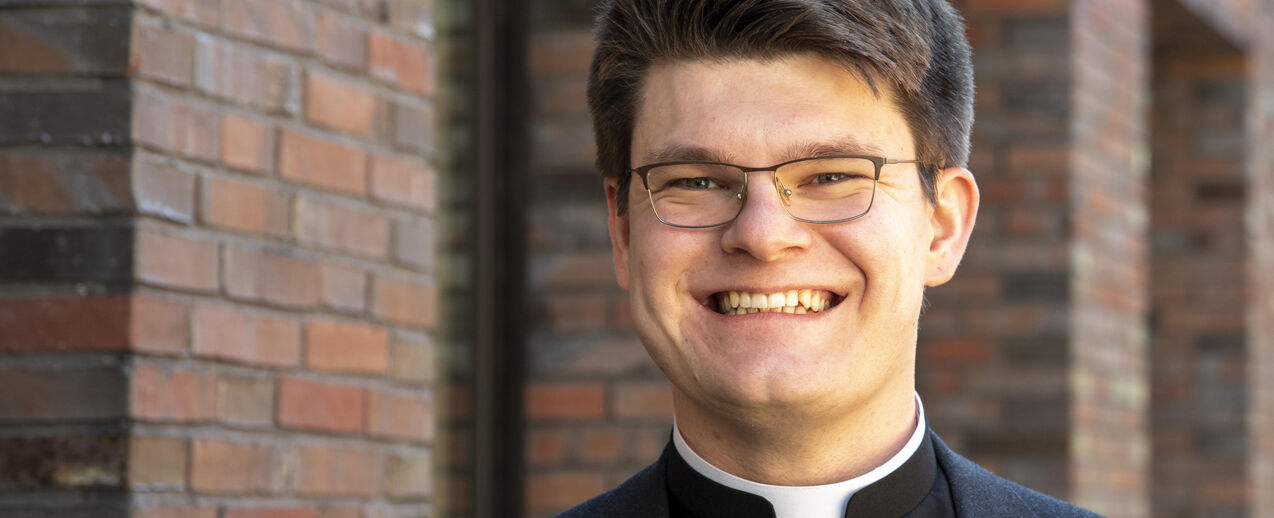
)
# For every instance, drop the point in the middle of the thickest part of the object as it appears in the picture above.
(785, 178)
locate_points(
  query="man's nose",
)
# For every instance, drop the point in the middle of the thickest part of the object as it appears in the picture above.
(763, 229)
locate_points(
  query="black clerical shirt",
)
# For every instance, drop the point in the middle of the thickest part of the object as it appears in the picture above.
(916, 489)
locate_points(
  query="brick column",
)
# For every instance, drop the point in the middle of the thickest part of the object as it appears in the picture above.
(1032, 359)
(596, 408)
(219, 292)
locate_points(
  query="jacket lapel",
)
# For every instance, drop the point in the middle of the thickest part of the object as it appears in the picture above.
(976, 491)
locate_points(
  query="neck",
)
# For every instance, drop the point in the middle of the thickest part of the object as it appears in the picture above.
(798, 448)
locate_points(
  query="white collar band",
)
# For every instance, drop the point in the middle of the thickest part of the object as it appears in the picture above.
(822, 501)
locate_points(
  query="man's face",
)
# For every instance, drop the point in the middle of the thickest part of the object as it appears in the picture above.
(873, 269)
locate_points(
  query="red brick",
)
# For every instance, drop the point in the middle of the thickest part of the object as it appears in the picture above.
(155, 325)
(176, 262)
(400, 415)
(271, 277)
(244, 206)
(342, 41)
(32, 396)
(400, 62)
(341, 228)
(344, 289)
(339, 105)
(172, 394)
(362, 8)
(643, 399)
(221, 332)
(162, 191)
(340, 512)
(414, 243)
(557, 491)
(544, 447)
(958, 351)
(245, 400)
(173, 126)
(413, 127)
(403, 183)
(572, 313)
(333, 471)
(222, 466)
(406, 301)
(64, 324)
(162, 54)
(179, 511)
(270, 512)
(408, 474)
(247, 144)
(320, 406)
(346, 347)
(245, 75)
(1012, 7)
(411, 17)
(412, 358)
(570, 401)
(64, 182)
(604, 445)
(322, 163)
(157, 462)
(578, 269)
(286, 23)
(562, 51)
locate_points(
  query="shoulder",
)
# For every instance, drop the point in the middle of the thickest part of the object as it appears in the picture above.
(644, 495)
(978, 492)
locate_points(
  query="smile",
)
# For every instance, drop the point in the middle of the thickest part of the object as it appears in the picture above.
(798, 302)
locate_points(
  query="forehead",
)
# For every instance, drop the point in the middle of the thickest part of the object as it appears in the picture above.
(759, 112)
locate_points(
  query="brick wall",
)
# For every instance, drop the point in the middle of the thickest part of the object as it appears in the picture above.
(993, 349)
(1109, 374)
(1198, 185)
(218, 221)
(596, 408)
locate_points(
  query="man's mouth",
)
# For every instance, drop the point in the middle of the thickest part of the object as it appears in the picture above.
(798, 302)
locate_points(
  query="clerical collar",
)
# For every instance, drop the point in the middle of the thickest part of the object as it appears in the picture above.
(822, 501)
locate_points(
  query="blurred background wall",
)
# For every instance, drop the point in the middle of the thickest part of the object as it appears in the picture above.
(329, 258)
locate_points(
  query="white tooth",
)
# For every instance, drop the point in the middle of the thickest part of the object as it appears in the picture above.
(800, 310)
(816, 301)
(804, 298)
(739, 311)
(789, 309)
(760, 301)
(792, 298)
(778, 300)
(745, 300)
(752, 310)
(734, 299)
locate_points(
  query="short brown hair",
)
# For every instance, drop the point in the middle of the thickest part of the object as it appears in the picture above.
(917, 47)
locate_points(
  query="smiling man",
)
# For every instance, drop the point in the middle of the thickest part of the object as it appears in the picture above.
(785, 178)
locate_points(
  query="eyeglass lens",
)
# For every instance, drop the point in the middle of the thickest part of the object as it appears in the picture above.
(818, 190)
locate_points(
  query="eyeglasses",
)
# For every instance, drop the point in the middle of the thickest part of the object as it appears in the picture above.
(699, 194)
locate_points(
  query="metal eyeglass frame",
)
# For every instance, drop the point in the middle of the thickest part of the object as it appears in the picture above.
(878, 161)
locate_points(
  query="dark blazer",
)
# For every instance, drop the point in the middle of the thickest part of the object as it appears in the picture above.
(975, 492)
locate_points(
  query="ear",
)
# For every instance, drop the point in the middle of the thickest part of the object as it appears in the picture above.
(950, 223)
(618, 232)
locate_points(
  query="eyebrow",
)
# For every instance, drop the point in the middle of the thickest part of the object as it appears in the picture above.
(844, 146)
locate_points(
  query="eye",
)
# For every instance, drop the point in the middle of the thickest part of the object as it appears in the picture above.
(826, 178)
(694, 184)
